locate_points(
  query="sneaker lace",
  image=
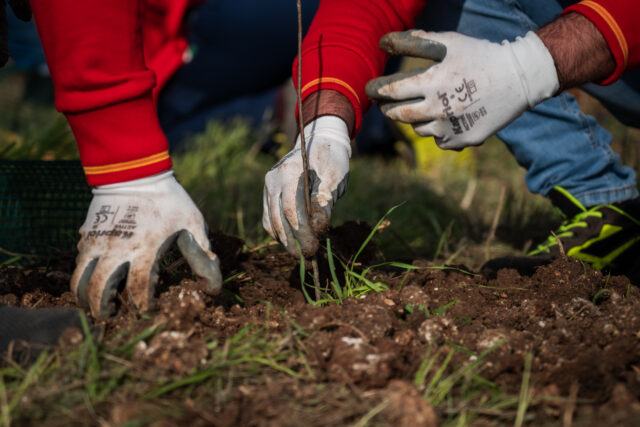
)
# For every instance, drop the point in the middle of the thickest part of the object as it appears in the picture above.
(566, 230)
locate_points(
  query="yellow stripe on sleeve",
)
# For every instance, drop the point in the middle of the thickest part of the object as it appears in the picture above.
(331, 80)
(613, 24)
(132, 164)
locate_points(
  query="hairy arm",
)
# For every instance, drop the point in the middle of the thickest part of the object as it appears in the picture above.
(579, 50)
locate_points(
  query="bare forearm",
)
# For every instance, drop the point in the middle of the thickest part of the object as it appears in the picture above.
(579, 50)
(328, 102)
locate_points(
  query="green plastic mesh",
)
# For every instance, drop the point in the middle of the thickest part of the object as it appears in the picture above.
(42, 205)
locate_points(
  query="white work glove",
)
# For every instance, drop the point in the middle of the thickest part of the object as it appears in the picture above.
(284, 216)
(129, 227)
(475, 88)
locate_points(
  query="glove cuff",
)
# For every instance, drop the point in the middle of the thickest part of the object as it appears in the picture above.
(135, 183)
(536, 68)
(328, 126)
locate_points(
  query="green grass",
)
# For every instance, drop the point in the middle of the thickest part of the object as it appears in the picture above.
(33, 129)
(356, 279)
(223, 170)
(355, 282)
(79, 383)
(461, 393)
(97, 373)
(224, 173)
(526, 392)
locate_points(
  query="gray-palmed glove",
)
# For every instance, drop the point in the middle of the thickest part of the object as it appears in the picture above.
(129, 226)
(284, 216)
(474, 89)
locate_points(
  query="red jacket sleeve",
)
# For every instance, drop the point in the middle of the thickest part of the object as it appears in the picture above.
(103, 86)
(164, 38)
(617, 20)
(340, 50)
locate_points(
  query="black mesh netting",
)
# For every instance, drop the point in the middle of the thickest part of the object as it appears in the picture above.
(42, 205)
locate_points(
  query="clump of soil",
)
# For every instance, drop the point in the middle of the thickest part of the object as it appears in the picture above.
(580, 328)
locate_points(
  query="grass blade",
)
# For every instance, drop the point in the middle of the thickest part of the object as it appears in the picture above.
(525, 392)
(436, 377)
(373, 232)
(127, 348)
(332, 268)
(424, 369)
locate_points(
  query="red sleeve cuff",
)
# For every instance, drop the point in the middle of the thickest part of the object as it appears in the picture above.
(611, 31)
(120, 142)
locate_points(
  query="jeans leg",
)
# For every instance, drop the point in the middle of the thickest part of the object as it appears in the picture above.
(555, 141)
(621, 98)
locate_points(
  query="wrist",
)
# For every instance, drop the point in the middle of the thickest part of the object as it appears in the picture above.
(331, 129)
(137, 183)
(579, 50)
(120, 142)
(328, 102)
(536, 68)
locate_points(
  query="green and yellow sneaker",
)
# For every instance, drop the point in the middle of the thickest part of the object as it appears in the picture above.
(605, 236)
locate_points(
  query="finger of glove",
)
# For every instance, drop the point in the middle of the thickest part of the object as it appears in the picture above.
(290, 221)
(323, 197)
(204, 263)
(281, 227)
(103, 285)
(4, 35)
(398, 86)
(21, 8)
(80, 279)
(274, 185)
(298, 219)
(143, 275)
(266, 214)
(408, 111)
(439, 130)
(435, 128)
(408, 44)
(321, 204)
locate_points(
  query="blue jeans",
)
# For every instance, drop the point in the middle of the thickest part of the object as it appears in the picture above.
(555, 142)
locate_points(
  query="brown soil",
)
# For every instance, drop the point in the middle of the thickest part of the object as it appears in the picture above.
(364, 353)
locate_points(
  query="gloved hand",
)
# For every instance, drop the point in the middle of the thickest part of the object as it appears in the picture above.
(284, 216)
(129, 227)
(22, 10)
(475, 89)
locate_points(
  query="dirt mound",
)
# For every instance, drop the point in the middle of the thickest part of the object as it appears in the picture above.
(579, 329)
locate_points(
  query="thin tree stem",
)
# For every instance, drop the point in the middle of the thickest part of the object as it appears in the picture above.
(303, 149)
